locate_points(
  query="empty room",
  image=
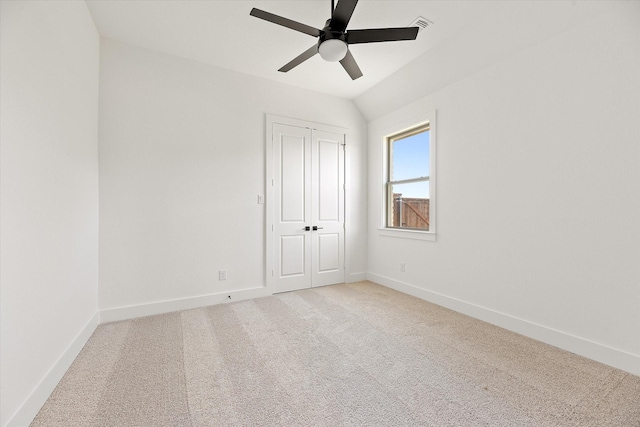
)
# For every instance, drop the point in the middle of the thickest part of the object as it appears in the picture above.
(319, 213)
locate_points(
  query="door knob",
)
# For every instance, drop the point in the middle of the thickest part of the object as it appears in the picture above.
(307, 228)
(315, 227)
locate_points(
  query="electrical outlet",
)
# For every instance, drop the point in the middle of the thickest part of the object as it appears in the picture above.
(402, 267)
(260, 199)
(222, 275)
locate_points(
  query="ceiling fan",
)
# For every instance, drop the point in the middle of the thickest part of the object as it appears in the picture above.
(333, 39)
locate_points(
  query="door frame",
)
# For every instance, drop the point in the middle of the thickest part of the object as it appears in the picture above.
(271, 119)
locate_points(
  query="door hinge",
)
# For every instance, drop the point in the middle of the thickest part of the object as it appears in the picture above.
(272, 183)
(272, 227)
(271, 273)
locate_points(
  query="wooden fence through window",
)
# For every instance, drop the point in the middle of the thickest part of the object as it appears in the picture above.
(410, 212)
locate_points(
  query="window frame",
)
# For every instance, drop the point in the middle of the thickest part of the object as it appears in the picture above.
(402, 127)
(389, 183)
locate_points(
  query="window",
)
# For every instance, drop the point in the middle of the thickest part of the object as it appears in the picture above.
(408, 184)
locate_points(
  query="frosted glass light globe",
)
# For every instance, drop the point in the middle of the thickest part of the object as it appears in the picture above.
(333, 50)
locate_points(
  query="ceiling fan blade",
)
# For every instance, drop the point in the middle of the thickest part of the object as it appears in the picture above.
(350, 65)
(375, 35)
(342, 14)
(300, 58)
(285, 22)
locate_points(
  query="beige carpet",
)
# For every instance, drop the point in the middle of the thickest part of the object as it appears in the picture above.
(357, 354)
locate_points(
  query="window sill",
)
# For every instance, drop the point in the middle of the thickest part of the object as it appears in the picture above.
(407, 234)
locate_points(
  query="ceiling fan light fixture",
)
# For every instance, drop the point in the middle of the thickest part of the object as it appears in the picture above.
(333, 50)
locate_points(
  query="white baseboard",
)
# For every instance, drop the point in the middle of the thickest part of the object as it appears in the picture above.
(161, 307)
(30, 408)
(601, 353)
(356, 277)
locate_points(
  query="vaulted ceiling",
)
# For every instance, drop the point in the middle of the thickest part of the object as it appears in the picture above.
(222, 33)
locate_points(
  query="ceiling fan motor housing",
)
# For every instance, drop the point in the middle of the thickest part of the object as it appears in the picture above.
(332, 45)
(333, 50)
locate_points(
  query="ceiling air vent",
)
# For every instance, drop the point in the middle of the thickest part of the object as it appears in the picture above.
(421, 23)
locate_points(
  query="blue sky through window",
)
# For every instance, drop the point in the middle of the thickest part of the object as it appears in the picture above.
(411, 160)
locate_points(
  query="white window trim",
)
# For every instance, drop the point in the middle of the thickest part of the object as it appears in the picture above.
(401, 126)
(408, 234)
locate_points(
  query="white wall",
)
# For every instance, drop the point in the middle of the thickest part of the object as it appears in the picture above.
(538, 191)
(182, 161)
(49, 188)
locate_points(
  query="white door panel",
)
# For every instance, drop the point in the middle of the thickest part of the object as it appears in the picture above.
(292, 186)
(328, 253)
(328, 208)
(293, 192)
(329, 180)
(308, 207)
(292, 255)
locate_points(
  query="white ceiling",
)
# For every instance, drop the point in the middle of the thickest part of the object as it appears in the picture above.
(222, 33)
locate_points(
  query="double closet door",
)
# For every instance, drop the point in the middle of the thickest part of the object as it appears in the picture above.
(308, 207)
